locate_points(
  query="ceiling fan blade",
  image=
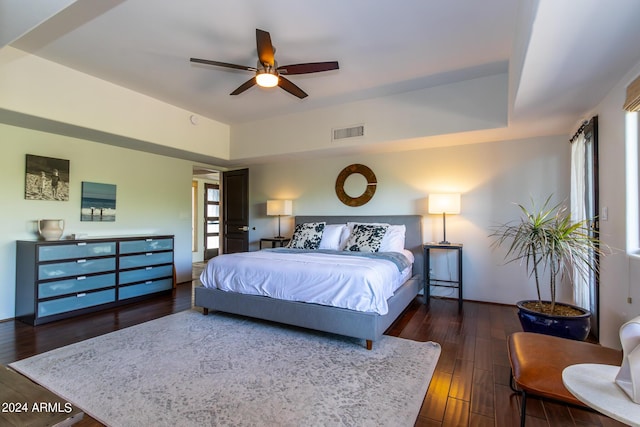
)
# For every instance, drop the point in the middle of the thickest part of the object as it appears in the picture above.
(223, 64)
(244, 86)
(291, 88)
(311, 67)
(265, 48)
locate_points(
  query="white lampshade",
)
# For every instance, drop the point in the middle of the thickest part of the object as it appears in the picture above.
(448, 203)
(267, 79)
(279, 207)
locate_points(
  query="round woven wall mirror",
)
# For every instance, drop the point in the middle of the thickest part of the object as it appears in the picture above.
(368, 192)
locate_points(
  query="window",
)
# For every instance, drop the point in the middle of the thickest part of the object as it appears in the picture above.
(632, 106)
(633, 184)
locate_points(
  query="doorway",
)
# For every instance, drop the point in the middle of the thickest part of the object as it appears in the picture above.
(221, 212)
(211, 220)
(236, 211)
(205, 242)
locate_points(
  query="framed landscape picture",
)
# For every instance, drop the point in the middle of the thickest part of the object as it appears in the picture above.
(46, 178)
(98, 202)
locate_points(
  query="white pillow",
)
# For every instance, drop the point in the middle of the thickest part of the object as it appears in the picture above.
(331, 236)
(409, 255)
(346, 232)
(393, 240)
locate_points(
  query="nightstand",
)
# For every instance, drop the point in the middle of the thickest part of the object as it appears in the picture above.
(429, 281)
(276, 242)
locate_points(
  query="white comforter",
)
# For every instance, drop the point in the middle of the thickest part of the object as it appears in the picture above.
(351, 282)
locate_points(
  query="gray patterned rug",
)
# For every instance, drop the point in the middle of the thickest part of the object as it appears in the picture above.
(188, 369)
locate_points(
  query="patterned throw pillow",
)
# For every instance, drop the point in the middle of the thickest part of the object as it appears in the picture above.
(307, 235)
(365, 238)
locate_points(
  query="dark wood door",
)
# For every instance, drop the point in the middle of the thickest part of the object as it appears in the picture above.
(235, 207)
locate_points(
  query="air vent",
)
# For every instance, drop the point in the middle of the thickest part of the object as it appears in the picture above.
(348, 132)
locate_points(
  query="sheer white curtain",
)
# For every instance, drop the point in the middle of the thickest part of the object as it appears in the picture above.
(581, 290)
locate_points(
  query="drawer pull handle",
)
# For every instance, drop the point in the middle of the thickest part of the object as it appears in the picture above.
(83, 294)
(81, 277)
(148, 282)
(82, 244)
(149, 240)
(80, 261)
(149, 268)
(149, 253)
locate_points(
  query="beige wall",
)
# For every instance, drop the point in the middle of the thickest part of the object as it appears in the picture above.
(620, 277)
(490, 177)
(36, 87)
(153, 196)
(469, 105)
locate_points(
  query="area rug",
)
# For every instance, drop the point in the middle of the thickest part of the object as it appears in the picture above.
(188, 369)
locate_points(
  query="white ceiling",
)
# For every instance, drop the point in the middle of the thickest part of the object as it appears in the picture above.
(562, 56)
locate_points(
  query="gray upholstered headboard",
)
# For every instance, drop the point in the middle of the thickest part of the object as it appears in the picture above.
(413, 223)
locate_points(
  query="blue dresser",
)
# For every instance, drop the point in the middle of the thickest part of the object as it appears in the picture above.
(59, 279)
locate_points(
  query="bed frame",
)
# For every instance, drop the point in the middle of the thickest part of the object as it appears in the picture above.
(366, 326)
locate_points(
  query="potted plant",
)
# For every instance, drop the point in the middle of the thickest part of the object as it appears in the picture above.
(548, 243)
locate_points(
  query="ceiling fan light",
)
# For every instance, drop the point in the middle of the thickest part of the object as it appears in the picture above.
(267, 79)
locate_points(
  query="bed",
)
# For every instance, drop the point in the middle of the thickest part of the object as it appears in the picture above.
(366, 325)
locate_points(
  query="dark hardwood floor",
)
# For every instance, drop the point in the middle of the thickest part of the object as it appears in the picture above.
(470, 386)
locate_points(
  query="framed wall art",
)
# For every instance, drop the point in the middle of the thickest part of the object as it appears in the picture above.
(46, 178)
(98, 202)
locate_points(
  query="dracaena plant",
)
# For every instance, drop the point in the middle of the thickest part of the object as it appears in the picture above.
(547, 242)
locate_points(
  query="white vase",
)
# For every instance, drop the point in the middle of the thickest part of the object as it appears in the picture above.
(51, 229)
(628, 377)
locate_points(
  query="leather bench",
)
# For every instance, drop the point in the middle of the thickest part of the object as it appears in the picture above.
(537, 362)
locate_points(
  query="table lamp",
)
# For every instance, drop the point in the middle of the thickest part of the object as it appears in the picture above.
(279, 208)
(447, 203)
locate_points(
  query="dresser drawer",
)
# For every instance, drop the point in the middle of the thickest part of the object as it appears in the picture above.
(149, 287)
(76, 285)
(145, 245)
(82, 300)
(76, 250)
(144, 274)
(150, 258)
(79, 267)
(60, 279)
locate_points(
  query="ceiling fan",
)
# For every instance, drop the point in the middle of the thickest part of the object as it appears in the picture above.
(268, 73)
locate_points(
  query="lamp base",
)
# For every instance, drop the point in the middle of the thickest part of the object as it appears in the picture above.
(279, 236)
(444, 230)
